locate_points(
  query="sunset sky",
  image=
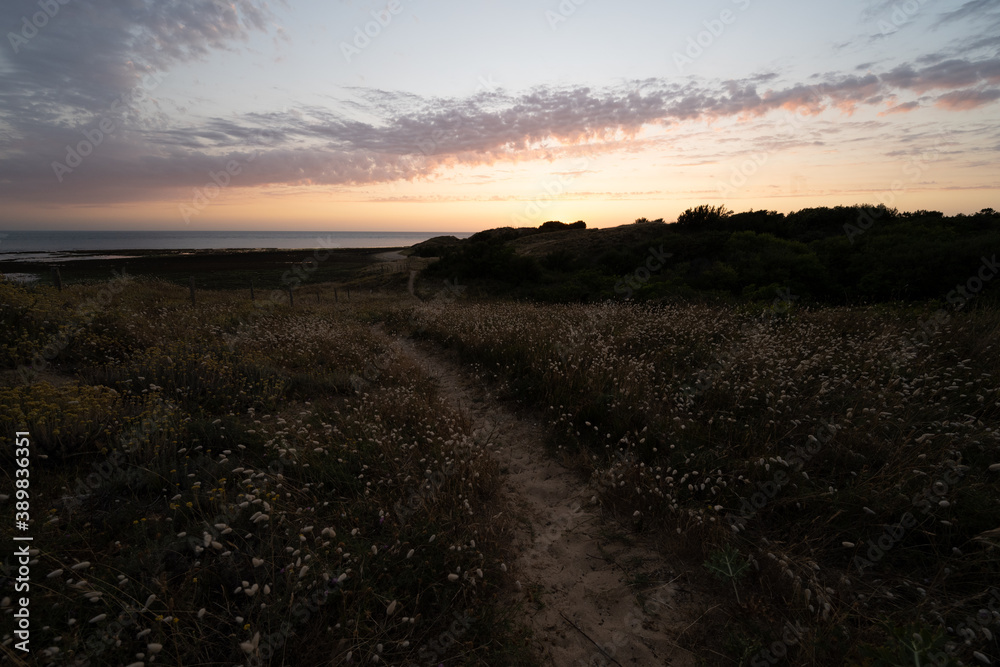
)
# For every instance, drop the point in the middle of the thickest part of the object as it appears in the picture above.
(458, 116)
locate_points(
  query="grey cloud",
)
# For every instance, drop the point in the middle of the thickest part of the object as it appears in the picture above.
(386, 136)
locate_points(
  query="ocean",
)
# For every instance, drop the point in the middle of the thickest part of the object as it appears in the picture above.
(46, 242)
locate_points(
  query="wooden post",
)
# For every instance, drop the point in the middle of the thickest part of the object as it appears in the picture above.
(291, 299)
(252, 298)
(192, 291)
(57, 277)
(335, 298)
(317, 295)
(348, 293)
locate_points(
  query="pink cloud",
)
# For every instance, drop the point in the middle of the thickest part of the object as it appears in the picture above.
(964, 100)
(900, 108)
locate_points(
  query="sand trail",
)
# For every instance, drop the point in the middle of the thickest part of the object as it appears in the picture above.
(596, 593)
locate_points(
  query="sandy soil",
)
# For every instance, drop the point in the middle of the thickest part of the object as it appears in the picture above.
(391, 256)
(575, 566)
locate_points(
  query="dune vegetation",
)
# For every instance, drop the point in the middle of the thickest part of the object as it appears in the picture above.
(835, 468)
(240, 483)
(257, 482)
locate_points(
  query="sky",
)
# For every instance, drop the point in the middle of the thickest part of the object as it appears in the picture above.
(465, 115)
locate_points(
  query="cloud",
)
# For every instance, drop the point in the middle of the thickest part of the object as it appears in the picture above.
(976, 10)
(906, 107)
(953, 73)
(964, 100)
(89, 53)
(52, 97)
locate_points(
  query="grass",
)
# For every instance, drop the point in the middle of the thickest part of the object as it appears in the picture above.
(796, 439)
(239, 481)
(227, 484)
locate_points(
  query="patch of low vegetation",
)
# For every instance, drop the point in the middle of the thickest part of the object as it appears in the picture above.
(845, 255)
(243, 483)
(837, 469)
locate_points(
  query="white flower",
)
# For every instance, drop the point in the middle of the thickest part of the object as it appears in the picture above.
(251, 646)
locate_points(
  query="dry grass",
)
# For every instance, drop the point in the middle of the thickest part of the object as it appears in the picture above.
(789, 442)
(241, 484)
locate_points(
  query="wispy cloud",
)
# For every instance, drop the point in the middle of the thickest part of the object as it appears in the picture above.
(50, 94)
(964, 100)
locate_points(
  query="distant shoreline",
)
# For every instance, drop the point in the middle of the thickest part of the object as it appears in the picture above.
(69, 243)
(48, 257)
(212, 267)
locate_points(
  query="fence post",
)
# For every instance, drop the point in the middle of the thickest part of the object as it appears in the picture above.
(291, 300)
(252, 298)
(58, 277)
(192, 291)
(335, 297)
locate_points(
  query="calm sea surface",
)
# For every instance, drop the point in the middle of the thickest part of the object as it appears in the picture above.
(103, 241)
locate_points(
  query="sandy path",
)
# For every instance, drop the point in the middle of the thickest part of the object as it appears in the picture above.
(574, 566)
(390, 256)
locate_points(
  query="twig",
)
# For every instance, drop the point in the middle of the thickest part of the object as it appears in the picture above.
(577, 627)
(696, 620)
